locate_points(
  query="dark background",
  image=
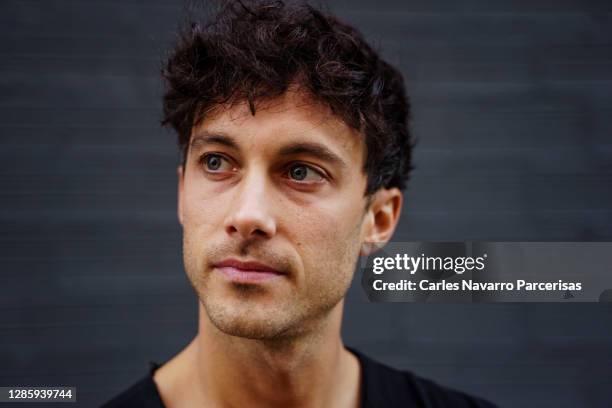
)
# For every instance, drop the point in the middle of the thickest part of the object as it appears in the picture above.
(513, 109)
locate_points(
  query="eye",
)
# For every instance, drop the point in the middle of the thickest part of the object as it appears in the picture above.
(215, 163)
(304, 173)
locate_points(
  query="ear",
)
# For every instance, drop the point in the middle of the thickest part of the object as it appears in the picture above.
(381, 219)
(180, 192)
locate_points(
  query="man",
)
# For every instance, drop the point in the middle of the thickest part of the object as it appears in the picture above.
(296, 149)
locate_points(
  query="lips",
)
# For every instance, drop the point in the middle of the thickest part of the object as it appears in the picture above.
(247, 271)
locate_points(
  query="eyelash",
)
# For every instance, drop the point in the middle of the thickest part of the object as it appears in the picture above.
(320, 173)
(205, 156)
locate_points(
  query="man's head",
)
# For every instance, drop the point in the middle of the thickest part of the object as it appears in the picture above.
(296, 147)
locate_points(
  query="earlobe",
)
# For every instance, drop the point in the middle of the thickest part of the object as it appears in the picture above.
(383, 217)
(368, 248)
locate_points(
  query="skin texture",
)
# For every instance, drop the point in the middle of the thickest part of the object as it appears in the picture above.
(285, 188)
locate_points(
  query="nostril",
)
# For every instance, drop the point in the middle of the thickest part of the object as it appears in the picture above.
(259, 232)
(246, 231)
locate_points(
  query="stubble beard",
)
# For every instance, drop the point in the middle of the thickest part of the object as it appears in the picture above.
(241, 316)
(290, 317)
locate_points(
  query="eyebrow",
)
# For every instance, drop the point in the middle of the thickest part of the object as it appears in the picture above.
(311, 148)
(204, 138)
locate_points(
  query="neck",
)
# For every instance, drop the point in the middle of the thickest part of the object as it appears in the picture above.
(310, 370)
(301, 371)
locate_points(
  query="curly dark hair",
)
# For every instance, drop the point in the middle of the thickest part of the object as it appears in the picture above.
(255, 51)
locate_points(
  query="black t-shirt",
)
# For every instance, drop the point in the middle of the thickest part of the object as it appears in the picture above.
(381, 387)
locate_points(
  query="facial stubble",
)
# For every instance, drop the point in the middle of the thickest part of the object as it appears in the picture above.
(242, 313)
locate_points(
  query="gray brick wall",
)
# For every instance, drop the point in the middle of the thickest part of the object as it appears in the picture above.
(513, 110)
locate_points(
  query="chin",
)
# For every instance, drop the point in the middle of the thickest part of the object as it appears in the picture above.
(249, 321)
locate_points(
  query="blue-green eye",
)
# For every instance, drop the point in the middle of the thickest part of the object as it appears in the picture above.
(301, 172)
(215, 163)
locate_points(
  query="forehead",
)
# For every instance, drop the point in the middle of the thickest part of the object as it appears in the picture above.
(290, 118)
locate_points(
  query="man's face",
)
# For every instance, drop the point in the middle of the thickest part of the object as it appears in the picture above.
(284, 189)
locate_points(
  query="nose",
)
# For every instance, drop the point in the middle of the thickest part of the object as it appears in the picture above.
(250, 213)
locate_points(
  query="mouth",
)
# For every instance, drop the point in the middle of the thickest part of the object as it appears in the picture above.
(247, 271)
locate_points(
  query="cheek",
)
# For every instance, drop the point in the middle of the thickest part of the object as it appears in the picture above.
(200, 210)
(329, 244)
(201, 218)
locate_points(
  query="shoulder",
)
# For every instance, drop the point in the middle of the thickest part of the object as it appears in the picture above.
(384, 386)
(142, 394)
